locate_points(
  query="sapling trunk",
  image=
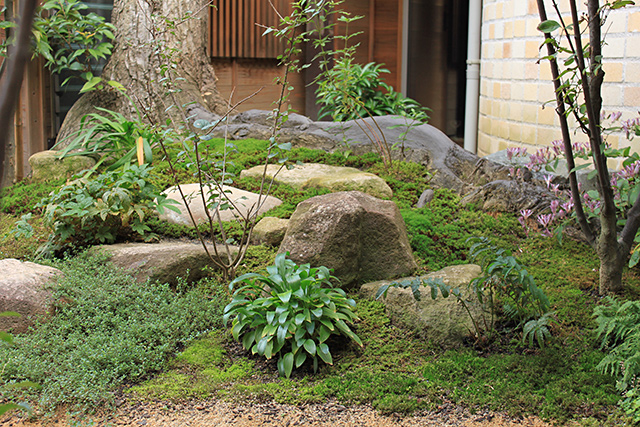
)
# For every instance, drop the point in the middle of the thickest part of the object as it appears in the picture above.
(612, 249)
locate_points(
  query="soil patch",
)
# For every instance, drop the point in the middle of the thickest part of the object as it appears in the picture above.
(221, 413)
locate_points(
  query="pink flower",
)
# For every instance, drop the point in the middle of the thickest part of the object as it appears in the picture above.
(545, 220)
(526, 213)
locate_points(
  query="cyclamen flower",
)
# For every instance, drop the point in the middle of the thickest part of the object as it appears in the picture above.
(547, 180)
(526, 213)
(567, 206)
(629, 125)
(516, 152)
(557, 147)
(545, 220)
(631, 171)
(580, 149)
(555, 204)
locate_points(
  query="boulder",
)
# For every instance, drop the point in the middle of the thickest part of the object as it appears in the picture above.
(359, 236)
(164, 262)
(509, 196)
(454, 167)
(269, 231)
(46, 165)
(560, 173)
(22, 290)
(333, 178)
(443, 321)
(245, 203)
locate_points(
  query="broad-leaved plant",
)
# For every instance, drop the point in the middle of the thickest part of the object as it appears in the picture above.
(290, 313)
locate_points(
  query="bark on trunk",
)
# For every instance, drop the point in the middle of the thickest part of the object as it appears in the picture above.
(160, 58)
(613, 258)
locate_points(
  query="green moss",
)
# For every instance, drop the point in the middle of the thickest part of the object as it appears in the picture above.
(551, 383)
(439, 232)
(199, 371)
(22, 197)
(23, 247)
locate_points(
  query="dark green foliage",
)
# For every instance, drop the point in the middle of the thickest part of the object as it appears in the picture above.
(108, 330)
(99, 209)
(302, 310)
(504, 280)
(439, 232)
(113, 139)
(350, 91)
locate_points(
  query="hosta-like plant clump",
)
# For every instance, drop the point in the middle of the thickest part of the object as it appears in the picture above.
(290, 313)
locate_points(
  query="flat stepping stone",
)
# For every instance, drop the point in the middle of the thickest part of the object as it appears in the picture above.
(245, 202)
(332, 178)
(165, 261)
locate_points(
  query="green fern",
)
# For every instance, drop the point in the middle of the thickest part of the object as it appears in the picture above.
(619, 330)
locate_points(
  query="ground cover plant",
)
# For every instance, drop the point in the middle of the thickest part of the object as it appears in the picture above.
(108, 329)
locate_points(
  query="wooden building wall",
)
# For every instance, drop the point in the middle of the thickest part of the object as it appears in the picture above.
(32, 123)
(248, 64)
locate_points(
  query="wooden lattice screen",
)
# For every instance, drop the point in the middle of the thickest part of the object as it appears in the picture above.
(237, 27)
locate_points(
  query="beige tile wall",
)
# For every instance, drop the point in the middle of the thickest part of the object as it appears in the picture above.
(515, 88)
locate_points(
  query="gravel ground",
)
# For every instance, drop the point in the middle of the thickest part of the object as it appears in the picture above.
(223, 414)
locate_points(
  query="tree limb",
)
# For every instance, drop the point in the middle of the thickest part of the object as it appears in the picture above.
(18, 56)
(566, 135)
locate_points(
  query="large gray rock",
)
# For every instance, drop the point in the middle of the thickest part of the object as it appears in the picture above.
(46, 165)
(164, 262)
(246, 204)
(443, 321)
(509, 196)
(560, 173)
(333, 178)
(22, 290)
(362, 238)
(454, 167)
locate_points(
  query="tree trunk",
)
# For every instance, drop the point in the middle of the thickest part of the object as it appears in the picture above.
(613, 258)
(160, 58)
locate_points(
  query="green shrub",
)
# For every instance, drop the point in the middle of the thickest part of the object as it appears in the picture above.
(112, 138)
(108, 330)
(349, 91)
(619, 330)
(296, 318)
(97, 210)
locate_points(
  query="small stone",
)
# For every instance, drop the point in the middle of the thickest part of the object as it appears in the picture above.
(425, 198)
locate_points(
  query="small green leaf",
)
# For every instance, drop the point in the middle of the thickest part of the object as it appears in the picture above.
(548, 26)
(288, 364)
(325, 355)
(310, 346)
